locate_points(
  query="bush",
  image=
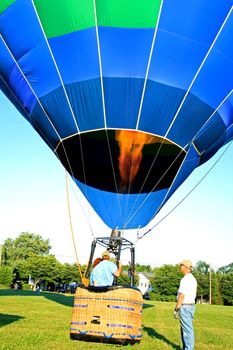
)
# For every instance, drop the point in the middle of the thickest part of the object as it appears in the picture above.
(26, 286)
(6, 275)
(159, 297)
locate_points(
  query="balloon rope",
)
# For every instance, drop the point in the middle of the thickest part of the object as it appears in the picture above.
(87, 217)
(104, 104)
(33, 122)
(45, 114)
(55, 66)
(64, 89)
(184, 148)
(197, 184)
(114, 177)
(42, 108)
(71, 228)
(144, 201)
(100, 64)
(148, 65)
(197, 73)
(140, 107)
(31, 88)
(182, 102)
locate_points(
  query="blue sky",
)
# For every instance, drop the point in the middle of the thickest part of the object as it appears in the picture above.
(33, 198)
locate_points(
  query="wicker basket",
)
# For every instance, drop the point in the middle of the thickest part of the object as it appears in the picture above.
(107, 314)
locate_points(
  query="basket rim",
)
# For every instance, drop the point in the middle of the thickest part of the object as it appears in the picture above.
(107, 288)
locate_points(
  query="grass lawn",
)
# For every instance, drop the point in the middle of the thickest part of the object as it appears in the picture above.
(30, 321)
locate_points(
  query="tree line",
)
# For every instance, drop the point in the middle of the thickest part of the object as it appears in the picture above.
(215, 287)
(29, 255)
(27, 258)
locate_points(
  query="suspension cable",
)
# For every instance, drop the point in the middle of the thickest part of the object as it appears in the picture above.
(87, 217)
(71, 228)
(181, 201)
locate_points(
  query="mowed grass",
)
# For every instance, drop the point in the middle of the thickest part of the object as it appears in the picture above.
(30, 321)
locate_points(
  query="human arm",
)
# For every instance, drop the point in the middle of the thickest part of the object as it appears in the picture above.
(179, 302)
(93, 281)
(119, 270)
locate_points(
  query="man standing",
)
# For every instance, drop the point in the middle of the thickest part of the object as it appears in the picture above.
(185, 305)
(103, 274)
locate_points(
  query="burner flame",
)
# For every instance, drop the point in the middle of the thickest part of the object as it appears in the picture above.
(131, 144)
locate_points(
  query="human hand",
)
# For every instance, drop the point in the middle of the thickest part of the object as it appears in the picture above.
(176, 314)
(119, 264)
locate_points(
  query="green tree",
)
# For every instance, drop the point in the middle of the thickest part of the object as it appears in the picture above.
(69, 273)
(6, 275)
(226, 269)
(166, 282)
(143, 268)
(21, 269)
(25, 244)
(7, 251)
(125, 279)
(45, 268)
(225, 283)
(226, 288)
(201, 272)
(217, 296)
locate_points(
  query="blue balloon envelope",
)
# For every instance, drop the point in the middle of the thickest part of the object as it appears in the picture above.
(130, 96)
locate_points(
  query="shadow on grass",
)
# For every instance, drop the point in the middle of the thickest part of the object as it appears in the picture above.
(153, 334)
(14, 292)
(5, 319)
(66, 300)
(146, 306)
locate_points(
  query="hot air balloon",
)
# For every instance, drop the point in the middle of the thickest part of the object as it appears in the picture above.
(130, 95)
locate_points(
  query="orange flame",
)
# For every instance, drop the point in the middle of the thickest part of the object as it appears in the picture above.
(131, 144)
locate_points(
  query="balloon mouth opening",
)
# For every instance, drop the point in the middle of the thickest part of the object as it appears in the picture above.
(121, 161)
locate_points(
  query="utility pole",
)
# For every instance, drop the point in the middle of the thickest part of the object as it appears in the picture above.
(210, 285)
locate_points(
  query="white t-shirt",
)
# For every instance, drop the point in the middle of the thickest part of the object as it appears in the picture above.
(188, 287)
